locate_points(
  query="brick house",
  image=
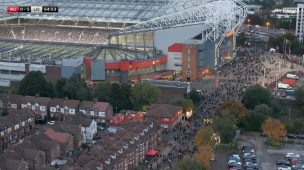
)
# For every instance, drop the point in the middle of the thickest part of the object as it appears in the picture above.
(37, 105)
(10, 101)
(65, 140)
(47, 145)
(60, 108)
(74, 130)
(100, 111)
(167, 115)
(124, 148)
(15, 126)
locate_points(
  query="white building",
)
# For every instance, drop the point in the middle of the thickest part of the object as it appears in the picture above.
(300, 20)
(287, 12)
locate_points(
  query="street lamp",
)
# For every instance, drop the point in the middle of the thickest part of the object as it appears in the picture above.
(248, 21)
(267, 25)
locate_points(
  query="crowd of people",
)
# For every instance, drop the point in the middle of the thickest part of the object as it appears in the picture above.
(233, 79)
(55, 34)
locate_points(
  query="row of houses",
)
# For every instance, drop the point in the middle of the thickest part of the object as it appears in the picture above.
(26, 148)
(56, 108)
(120, 148)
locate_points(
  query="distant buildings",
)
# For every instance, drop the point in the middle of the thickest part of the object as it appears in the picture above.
(300, 20)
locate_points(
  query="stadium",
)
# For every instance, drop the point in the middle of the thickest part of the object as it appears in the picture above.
(118, 40)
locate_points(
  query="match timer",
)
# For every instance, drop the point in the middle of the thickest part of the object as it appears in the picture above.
(50, 9)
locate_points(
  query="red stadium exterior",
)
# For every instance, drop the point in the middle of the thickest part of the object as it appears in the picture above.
(125, 67)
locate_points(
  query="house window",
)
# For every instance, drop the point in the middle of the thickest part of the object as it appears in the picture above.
(42, 108)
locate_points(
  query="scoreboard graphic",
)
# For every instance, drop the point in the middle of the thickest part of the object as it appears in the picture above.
(31, 9)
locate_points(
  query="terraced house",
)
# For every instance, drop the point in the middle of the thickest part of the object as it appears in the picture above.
(37, 105)
(60, 108)
(15, 126)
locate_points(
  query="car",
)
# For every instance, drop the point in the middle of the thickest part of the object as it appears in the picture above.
(51, 122)
(238, 167)
(290, 154)
(283, 167)
(247, 149)
(298, 167)
(232, 164)
(234, 157)
(283, 162)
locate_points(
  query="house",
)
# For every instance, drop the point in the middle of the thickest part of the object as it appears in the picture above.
(88, 126)
(167, 115)
(24, 154)
(65, 140)
(74, 130)
(35, 158)
(100, 111)
(122, 149)
(46, 144)
(37, 105)
(15, 126)
(60, 108)
(10, 101)
(12, 162)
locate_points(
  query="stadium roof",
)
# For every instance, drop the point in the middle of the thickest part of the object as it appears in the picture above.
(129, 11)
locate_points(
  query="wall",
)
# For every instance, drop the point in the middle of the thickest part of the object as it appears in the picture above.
(165, 38)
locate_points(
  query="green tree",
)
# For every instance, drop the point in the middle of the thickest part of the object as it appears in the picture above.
(34, 83)
(143, 94)
(188, 163)
(299, 95)
(225, 125)
(75, 88)
(256, 95)
(256, 117)
(186, 104)
(120, 96)
(102, 92)
(59, 88)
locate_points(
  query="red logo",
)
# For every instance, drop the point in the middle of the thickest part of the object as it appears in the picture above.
(12, 9)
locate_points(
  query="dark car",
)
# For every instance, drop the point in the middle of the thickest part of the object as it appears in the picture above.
(247, 149)
(283, 162)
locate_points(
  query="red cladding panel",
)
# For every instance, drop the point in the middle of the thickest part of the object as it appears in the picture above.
(290, 82)
(124, 65)
(87, 65)
(177, 47)
(113, 66)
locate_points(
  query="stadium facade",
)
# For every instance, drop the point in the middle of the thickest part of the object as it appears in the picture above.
(122, 40)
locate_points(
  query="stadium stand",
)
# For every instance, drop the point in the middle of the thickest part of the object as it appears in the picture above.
(54, 34)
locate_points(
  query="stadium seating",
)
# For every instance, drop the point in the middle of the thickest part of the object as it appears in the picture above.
(54, 34)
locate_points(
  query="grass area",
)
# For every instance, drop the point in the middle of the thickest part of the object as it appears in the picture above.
(275, 143)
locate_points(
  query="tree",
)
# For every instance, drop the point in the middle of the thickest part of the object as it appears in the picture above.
(204, 155)
(102, 92)
(34, 83)
(75, 88)
(257, 117)
(59, 87)
(225, 125)
(299, 95)
(236, 108)
(204, 137)
(186, 104)
(144, 94)
(256, 95)
(273, 128)
(188, 163)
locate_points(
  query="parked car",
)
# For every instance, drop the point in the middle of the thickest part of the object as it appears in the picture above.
(283, 167)
(283, 162)
(247, 149)
(51, 122)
